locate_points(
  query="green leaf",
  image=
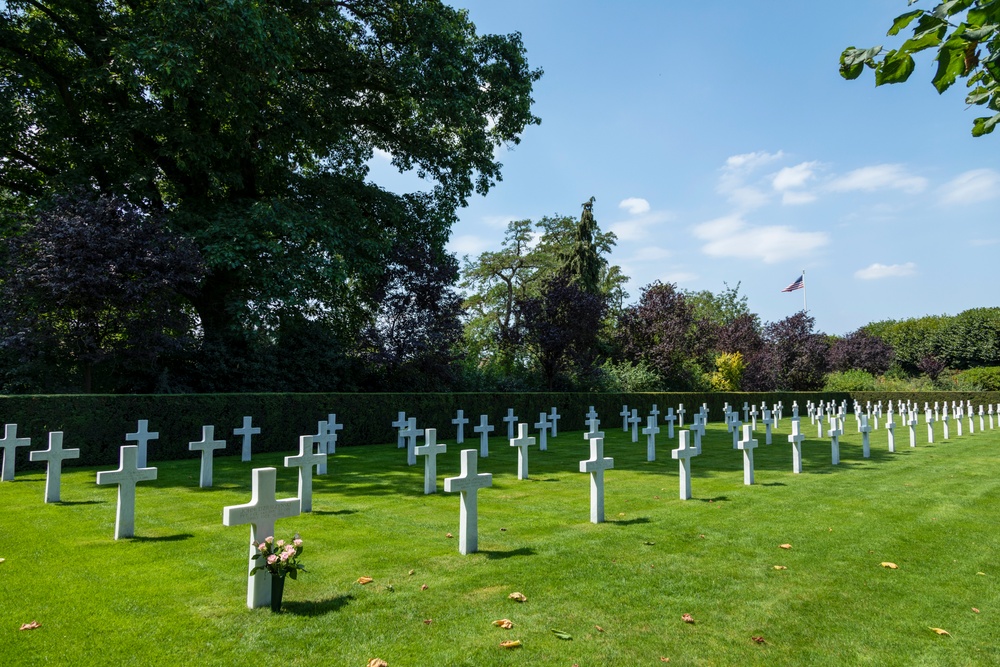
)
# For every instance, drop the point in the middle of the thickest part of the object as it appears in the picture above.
(951, 7)
(978, 34)
(982, 126)
(951, 63)
(854, 56)
(562, 634)
(293, 574)
(895, 68)
(978, 96)
(925, 39)
(903, 20)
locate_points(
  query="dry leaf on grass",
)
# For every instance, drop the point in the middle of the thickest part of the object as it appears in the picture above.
(423, 587)
(428, 621)
(662, 659)
(511, 643)
(31, 626)
(941, 631)
(785, 546)
(891, 566)
(518, 596)
(758, 639)
(780, 567)
(449, 535)
(599, 628)
(377, 662)
(412, 572)
(365, 580)
(975, 610)
(2, 560)
(981, 574)
(561, 634)
(687, 618)
(504, 623)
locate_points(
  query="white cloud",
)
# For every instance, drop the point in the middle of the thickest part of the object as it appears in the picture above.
(794, 177)
(731, 236)
(750, 161)
(640, 227)
(634, 205)
(469, 244)
(679, 277)
(877, 271)
(385, 155)
(971, 187)
(651, 254)
(735, 174)
(795, 198)
(879, 177)
(984, 242)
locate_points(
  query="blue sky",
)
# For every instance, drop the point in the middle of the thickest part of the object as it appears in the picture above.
(723, 146)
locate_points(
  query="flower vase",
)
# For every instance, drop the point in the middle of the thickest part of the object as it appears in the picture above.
(277, 590)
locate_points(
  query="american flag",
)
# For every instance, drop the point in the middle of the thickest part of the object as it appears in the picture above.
(798, 284)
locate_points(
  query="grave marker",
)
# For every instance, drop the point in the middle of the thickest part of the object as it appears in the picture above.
(634, 422)
(468, 484)
(543, 429)
(522, 442)
(141, 437)
(9, 444)
(484, 429)
(554, 418)
(592, 425)
(321, 441)
(865, 439)
(670, 419)
(248, 430)
(913, 429)
(890, 427)
(126, 477)
(683, 456)
(680, 416)
(305, 460)
(835, 434)
(929, 418)
(650, 432)
(737, 424)
(511, 419)
(399, 425)
(54, 456)
(796, 439)
(624, 414)
(431, 448)
(460, 421)
(207, 446)
(410, 433)
(596, 465)
(747, 445)
(767, 421)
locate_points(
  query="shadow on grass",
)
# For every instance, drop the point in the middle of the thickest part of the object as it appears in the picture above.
(316, 607)
(334, 512)
(630, 522)
(163, 538)
(501, 555)
(82, 502)
(774, 484)
(716, 499)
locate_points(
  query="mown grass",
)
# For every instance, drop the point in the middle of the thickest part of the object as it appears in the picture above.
(177, 591)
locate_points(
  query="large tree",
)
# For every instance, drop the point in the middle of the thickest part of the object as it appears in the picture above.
(250, 125)
(966, 36)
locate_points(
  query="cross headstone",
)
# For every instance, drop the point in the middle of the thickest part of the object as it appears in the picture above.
(305, 460)
(746, 412)
(670, 419)
(460, 421)
(698, 429)
(634, 421)
(737, 425)
(913, 429)
(591, 414)
(655, 412)
(261, 513)
(958, 420)
(835, 434)
(866, 429)
(431, 448)
(322, 441)
(400, 424)
(141, 437)
(796, 439)
(970, 415)
(929, 418)
(596, 465)
(543, 426)
(944, 421)
(207, 446)
(248, 430)
(54, 456)
(484, 429)
(747, 445)
(683, 456)
(328, 444)
(990, 414)
(767, 421)
(468, 484)
(753, 418)
(410, 433)
(650, 432)
(890, 428)
(982, 424)
(511, 419)
(126, 477)
(522, 442)
(680, 416)
(624, 414)
(592, 432)
(9, 445)
(554, 418)
(819, 427)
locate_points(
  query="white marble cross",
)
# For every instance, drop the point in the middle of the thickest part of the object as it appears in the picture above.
(737, 425)
(321, 442)
(796, 439)
(753, 418)
(522, 442)
(9, 445)
(655, 412)
(913, 429)
(126, 477)
(554, 418)
(944, 421)
(890, 428)
(929, 418)
(634, 422)
(592, 425)
(670, 419)
(460, 421)
(431, 448)
(484, 429)
(468, 484)
(304, 461)
(624, 414)
(990, 414)
(400, 424)
(141, 437)
(248, 430)
(261, 512)
(866, 430)
(972, 427)
(982, 424)
(650, 432)
(511, 419)
(819, 427)
(543, 426)
(207, 446)
(683, 456)
(410, 433)
(835, 433)
(698, 428)
(958, 420)
(54, 456)
(747, 445)
(746, 412)
(596, 465)
(767, 421)
(680, 416)
(591, 414)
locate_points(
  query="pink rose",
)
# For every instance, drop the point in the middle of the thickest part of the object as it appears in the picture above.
(284, 556)
(272, 559)
(297, 542)
(269, 540)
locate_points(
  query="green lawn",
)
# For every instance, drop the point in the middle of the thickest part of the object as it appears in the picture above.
(177, 591)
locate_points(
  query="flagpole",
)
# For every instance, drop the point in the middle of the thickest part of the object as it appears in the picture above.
(804, 309)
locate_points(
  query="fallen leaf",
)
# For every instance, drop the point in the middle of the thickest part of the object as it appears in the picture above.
(561, 634)
(389, 587)
(411, 573)
(662, 659)
(449, 535)
(31, 626)
(621, 514)
(785, 546)
(599, 628)
(687, 618)
(891, 566)
(758, 639)
(649, 543)
(941, 631)
(428, 621)
(656, 497)
(975, 610)
(981, 574)
(504, 623)
(780, 567)
(511, 643)
(365, 580)
(423, 587)
(2, 560)
(377, 662)
(702, 536)
(518, 596)
(830, 529)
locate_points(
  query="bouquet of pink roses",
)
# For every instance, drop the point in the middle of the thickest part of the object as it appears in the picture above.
(278, 557)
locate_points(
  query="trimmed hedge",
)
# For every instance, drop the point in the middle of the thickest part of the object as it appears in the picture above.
(97, 424)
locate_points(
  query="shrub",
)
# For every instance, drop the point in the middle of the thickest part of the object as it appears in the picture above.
(987, 378)
(728, 373)
(630, 377)
(852, 380)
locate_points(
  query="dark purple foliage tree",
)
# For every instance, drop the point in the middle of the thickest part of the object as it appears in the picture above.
(743, 334)
(863, 351)
(660, 330)
(798, 355)
(932, 367)
(91, 282)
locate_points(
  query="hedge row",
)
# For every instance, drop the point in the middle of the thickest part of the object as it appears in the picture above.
(97, 424)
